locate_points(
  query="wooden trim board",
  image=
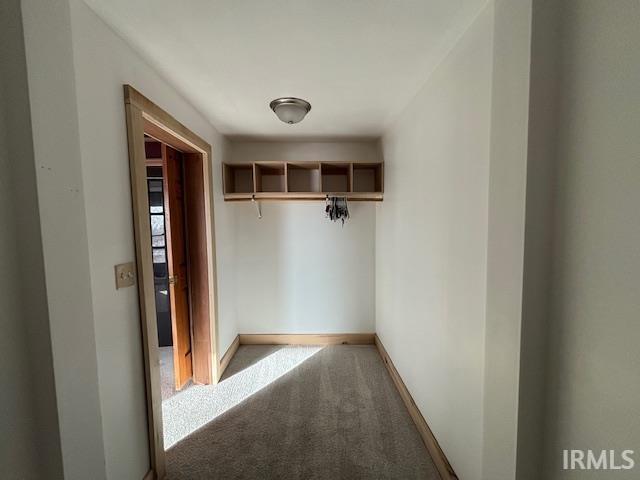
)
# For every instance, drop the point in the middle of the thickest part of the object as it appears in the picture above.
(439, 458)
(169, 128)
(146, 293)
(198, 249)
(293, 339)
(228, 355)
(143, 116)
(149, 476)
(307, 339)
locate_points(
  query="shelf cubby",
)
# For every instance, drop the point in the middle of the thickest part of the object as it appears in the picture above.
(336, 177)
(303, 180)
(270, 177)
(303, 177)
(367, 177)
(238, 178)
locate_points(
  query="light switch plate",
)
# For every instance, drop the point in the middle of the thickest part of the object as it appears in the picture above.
(125, 275)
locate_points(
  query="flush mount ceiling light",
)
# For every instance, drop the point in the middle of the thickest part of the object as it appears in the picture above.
(289, 109)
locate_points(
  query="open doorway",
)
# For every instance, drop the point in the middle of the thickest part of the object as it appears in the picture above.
(165, 183)
(175, 256)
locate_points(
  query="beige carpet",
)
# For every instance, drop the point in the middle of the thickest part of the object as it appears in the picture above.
(335, 414)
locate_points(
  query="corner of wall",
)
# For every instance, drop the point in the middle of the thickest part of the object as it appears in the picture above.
(225, 238)
(505, 254)
(540, 209)
(54, 117)
(431, 243)
(31, 443)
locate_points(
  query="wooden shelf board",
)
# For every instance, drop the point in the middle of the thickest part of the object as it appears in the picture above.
(238, 196)
(288, 196)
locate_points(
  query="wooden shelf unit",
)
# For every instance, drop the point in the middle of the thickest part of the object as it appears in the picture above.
(303, 180)
(238, 179)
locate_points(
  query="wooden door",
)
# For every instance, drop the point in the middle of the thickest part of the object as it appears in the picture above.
(199, 264)
(177, 264)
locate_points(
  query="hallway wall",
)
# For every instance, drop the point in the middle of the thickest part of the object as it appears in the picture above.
(105, 174)
(85, 206)
(540, 204)
(29, 442)
(593, 363)
(450, 242)
(18, 453)
(431, 245)
(63, 229)
(506, 239)
(298, 272)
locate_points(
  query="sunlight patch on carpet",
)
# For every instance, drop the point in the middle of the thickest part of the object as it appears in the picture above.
(193, 408)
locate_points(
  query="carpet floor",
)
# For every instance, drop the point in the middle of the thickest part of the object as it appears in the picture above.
(167, 384)
(334, 413)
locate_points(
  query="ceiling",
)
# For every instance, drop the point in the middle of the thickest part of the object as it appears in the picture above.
(358, 62)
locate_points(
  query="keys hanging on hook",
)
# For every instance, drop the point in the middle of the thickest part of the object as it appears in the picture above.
(337, 209)
(257, 204)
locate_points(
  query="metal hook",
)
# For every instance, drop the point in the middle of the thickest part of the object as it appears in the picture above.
(257, 204)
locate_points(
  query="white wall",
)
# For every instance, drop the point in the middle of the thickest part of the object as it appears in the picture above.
(300, 151)
(593, 389)
(431, 245)
(85, 203)
(505, 247)
(297, 272)
(61, 202)
(17, 445)
(105, 174)
(540, 204)
(29, 444)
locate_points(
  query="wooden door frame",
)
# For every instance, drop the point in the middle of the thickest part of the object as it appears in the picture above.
(145, 117)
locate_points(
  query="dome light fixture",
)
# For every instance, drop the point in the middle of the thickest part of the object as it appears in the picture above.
(290, 109)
